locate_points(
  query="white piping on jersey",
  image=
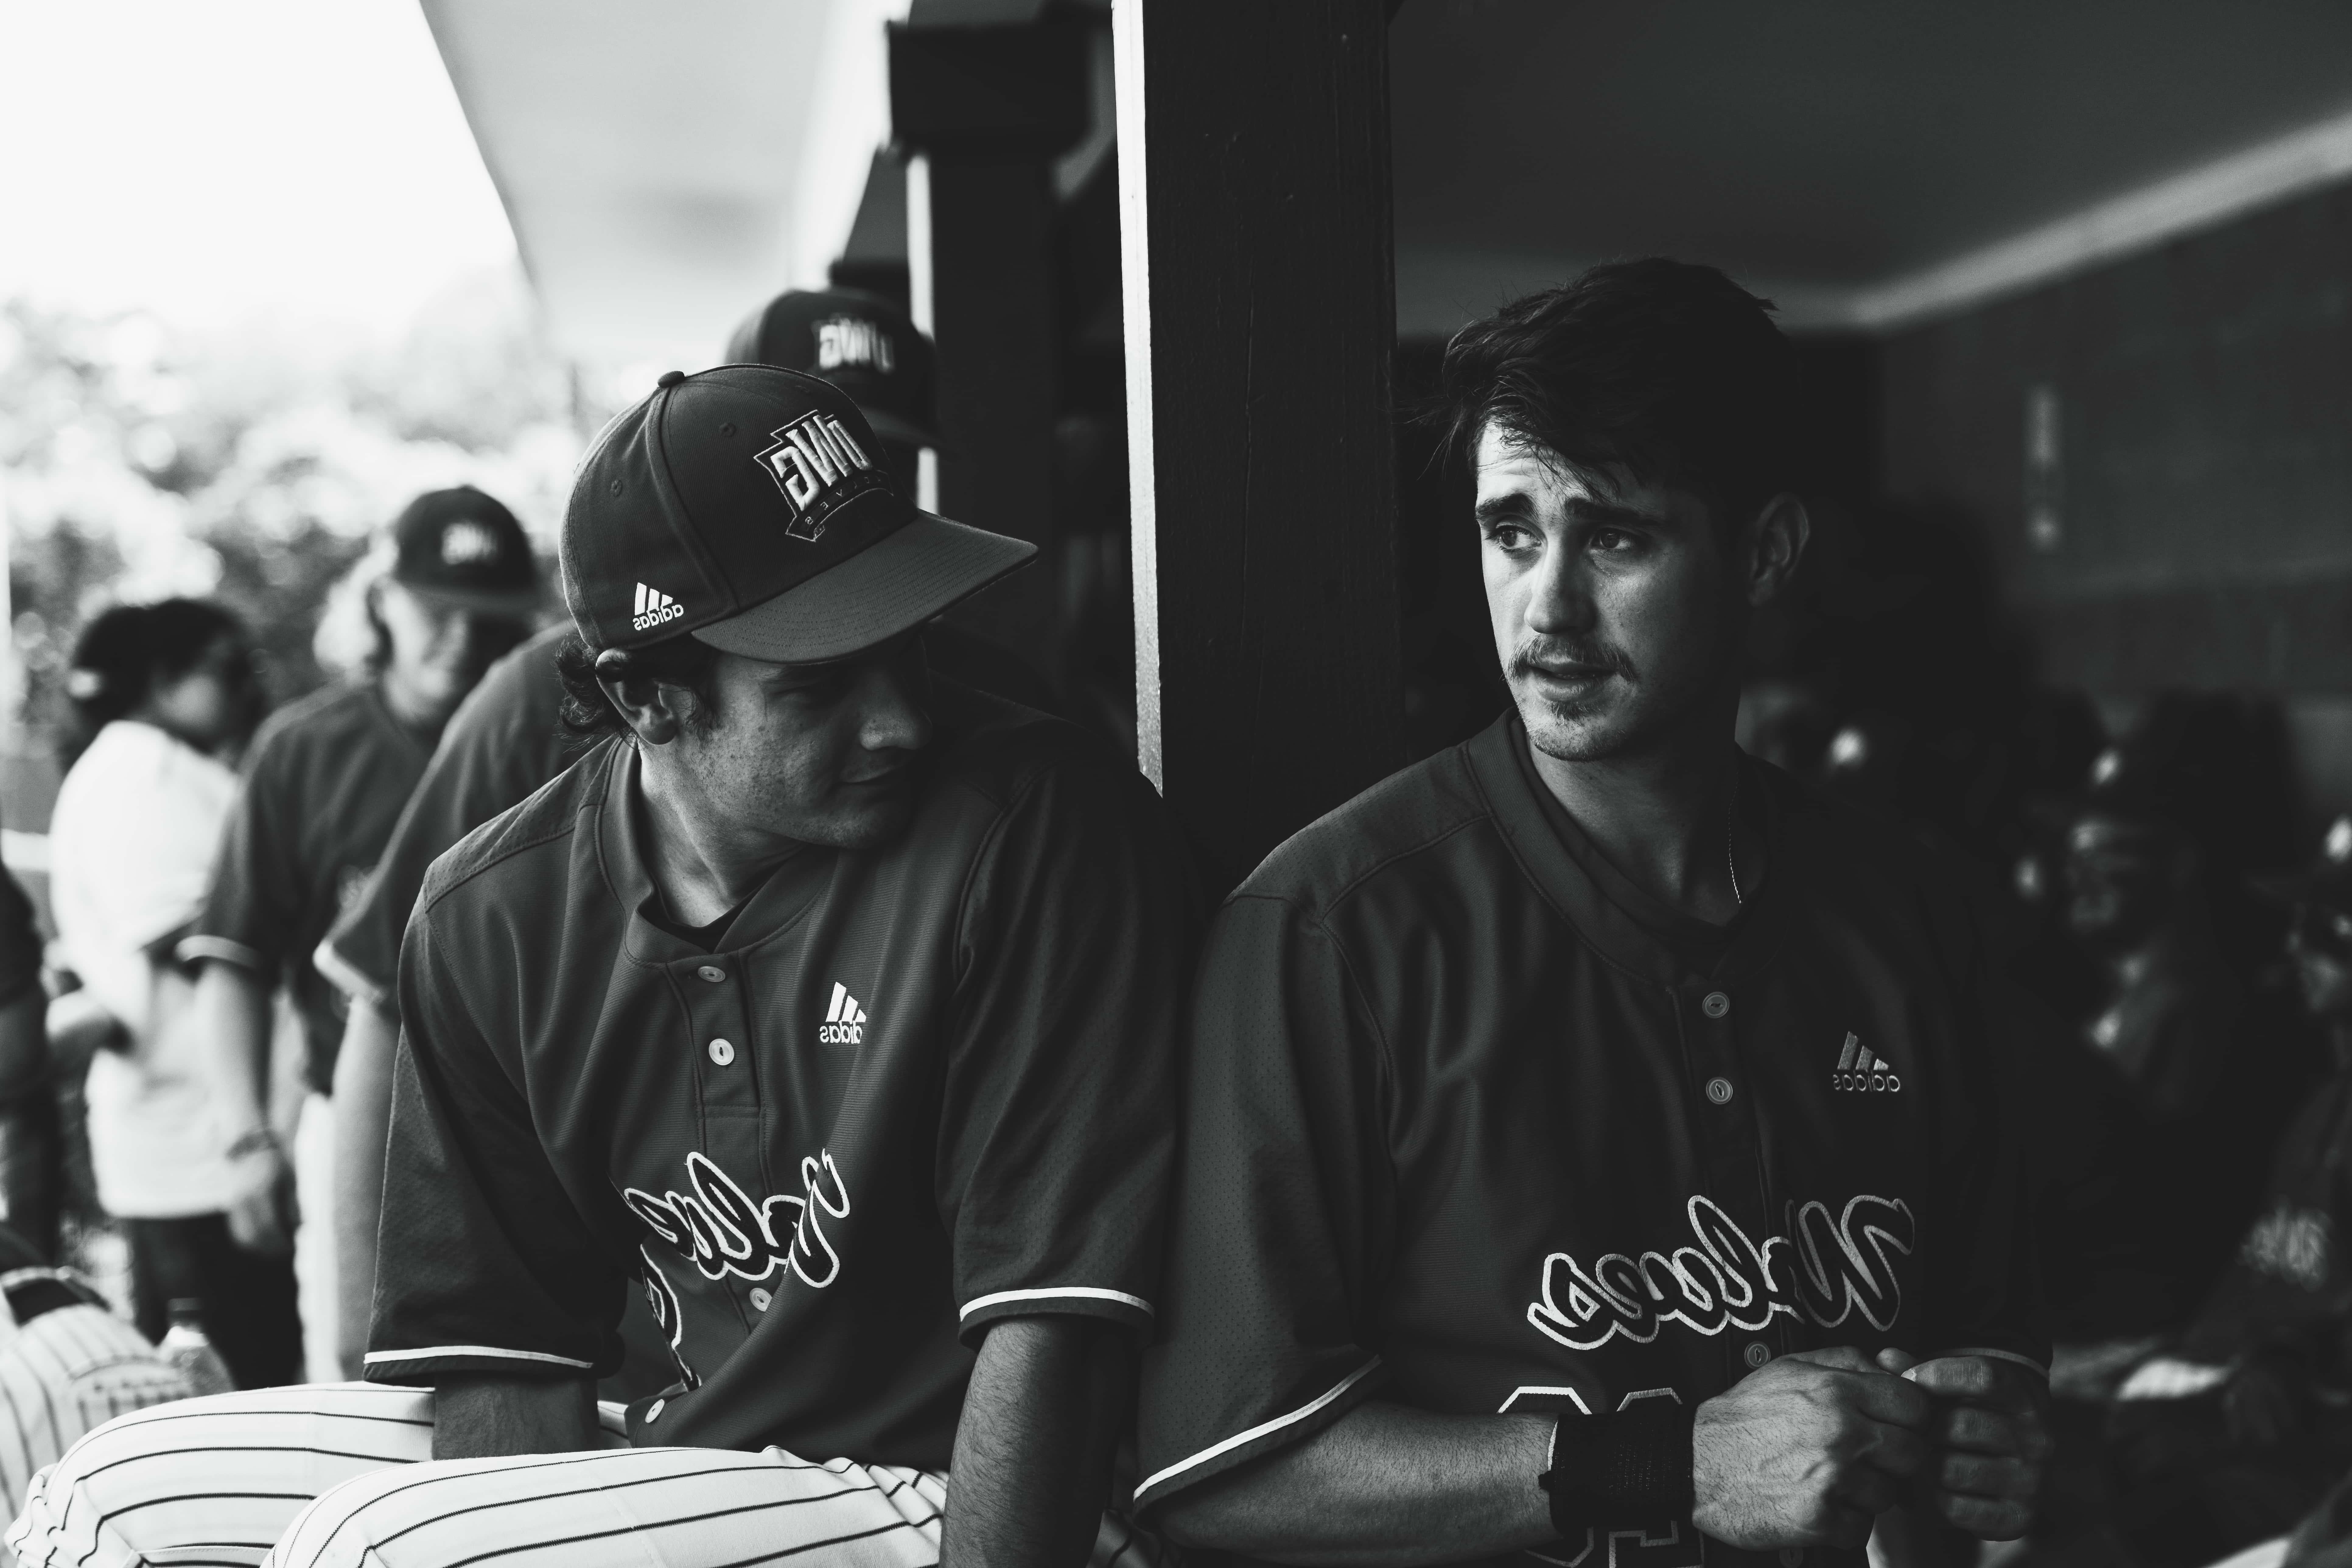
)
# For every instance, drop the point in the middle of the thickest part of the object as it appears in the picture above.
(346, 976)
(227, 949)
(1088, 1292)
(1261, 1429)
(389, 1358)
(1987, 1351)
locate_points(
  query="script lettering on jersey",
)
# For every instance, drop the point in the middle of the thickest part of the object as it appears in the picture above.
(722, 1231)
(1827, 1268)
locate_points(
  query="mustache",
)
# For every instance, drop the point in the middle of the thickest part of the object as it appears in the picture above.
(1539, 652)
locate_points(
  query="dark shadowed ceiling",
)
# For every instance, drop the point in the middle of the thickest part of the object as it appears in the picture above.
(1825, 150)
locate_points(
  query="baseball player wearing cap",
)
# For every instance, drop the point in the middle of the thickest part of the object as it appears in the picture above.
(506, 742)
(1585, 1127)
(324, 783)
(831, 1006)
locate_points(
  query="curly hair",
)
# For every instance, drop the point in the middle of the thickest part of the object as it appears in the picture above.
(588, 714)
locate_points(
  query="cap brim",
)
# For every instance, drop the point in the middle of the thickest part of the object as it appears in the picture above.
(891, 586)
(521, 604)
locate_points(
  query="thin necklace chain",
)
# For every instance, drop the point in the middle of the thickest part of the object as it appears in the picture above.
(1732, 865)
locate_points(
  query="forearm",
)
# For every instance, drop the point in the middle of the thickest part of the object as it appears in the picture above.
(233, 1023)
(362, 1102)
(494, 1417)
(1032, 1456)
(1386, 1486)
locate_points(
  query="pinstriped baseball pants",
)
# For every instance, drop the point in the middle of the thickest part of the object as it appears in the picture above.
(339, 1476)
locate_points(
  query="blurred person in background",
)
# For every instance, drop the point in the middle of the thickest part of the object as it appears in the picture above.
(2245, 1418)
(455, 588)
(2213, 1058)
(506, 743)
(161, 695)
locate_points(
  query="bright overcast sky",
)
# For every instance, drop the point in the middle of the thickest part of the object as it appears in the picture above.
(213, 159)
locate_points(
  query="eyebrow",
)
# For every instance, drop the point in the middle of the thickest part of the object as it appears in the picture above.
(1514, 507)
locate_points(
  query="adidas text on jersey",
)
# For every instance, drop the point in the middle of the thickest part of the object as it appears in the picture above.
(1859, 1072)
(654, 607)
(844, 1020)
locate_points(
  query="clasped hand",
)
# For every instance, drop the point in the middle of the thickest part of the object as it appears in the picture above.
(1811, 1448)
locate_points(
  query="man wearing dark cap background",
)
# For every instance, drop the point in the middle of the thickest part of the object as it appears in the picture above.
(324, 782)
(833, 1003)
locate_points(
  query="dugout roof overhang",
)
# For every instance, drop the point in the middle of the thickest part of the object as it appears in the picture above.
(1869, 164)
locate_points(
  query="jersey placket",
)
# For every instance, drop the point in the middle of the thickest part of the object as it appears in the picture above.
(725, 1058)
(1728, 1139)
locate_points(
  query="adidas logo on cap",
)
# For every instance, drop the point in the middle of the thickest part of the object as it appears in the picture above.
(654, 607)
(844, 1021)
(1859, 1072)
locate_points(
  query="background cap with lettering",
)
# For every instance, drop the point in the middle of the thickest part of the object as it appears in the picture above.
(462, 547)
(749, 506)
(861, 342)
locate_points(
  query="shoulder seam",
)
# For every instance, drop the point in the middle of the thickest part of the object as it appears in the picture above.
(500, 859)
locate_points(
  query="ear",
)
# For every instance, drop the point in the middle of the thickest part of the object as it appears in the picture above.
(655, 712)
(1776, 545)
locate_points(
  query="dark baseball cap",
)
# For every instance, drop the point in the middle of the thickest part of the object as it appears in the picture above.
(861, 342)
(461, 547)
(748, 506)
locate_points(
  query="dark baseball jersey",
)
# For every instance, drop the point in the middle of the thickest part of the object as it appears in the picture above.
(2291, 1283)
(916, 1088)
(503, 743)
(1474, 1124)
(325, 782)
(20, 942)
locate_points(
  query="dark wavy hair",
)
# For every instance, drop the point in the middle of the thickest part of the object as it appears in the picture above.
(125, 651)
(1668, 369)
(589, 716)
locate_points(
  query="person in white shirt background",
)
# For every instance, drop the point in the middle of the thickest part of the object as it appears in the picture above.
(165, 692)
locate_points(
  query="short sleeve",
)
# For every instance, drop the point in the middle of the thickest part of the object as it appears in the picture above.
(484, 1266)
(1284, 1207)
(499, 747)
(1057, 1124)
(250, 916)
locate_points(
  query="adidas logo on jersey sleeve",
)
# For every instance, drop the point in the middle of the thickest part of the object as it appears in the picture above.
(654, 607)
(844, 1020)
(1859, 1072)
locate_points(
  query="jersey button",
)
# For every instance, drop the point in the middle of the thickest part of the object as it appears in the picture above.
(1718, 1089)
(1715, 1004)
(1758, 1353)
(711, 973)
(722, 1052)
(761, 1299)
(652, 1411)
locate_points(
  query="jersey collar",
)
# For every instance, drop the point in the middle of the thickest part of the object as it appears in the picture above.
(1629, 928)
(789, 890)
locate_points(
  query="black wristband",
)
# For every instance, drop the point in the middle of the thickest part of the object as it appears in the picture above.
(1630, 1468)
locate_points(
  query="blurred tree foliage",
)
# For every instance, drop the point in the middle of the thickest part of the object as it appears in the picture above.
(139, 461)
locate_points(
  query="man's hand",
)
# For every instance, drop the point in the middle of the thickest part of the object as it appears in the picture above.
(1993, 1437)
(1806, 1451)
(262, 1214)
